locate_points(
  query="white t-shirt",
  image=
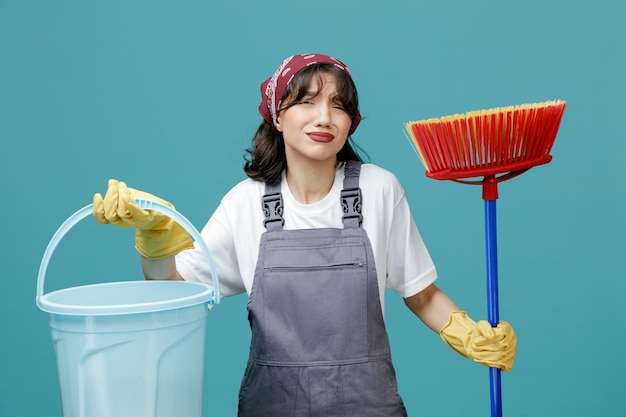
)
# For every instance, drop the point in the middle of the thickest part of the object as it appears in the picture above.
(234, 231)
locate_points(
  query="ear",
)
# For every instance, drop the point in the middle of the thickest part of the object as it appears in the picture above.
(277, 125)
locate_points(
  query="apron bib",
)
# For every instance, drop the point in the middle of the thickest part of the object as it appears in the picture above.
(319, 344)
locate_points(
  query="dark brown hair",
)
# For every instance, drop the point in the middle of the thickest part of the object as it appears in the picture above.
(265, 159)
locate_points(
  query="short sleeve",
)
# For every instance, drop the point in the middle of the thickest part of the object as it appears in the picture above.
(192, 264)
(410, 268)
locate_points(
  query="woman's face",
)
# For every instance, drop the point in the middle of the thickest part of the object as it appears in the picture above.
(316, 127)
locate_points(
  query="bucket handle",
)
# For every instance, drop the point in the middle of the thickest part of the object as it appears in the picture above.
(146, 205)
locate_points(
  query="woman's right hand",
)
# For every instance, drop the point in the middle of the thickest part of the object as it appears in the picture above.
(157, 235)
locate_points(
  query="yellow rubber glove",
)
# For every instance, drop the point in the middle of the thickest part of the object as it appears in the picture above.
(490, 346)
(157, 236)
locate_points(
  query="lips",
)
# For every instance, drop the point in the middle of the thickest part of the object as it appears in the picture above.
(321, 136)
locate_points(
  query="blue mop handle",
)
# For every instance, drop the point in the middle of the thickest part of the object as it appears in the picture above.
(493, 307)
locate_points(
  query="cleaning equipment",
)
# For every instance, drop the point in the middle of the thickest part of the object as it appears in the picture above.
(496, 144)
(131, 348)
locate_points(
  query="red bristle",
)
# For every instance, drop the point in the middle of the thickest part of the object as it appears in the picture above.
(451, 148)
(543, 130)
(448, 145)
(490, 138)
(473, 133)
(496, 119)
(515, 148)
(461, 142)
(502, 138)
(431, 146)
(524, 137)
(501, 148)
(536, 137)
(491, 133)
(442, 132)
(518, 126)
(510, 134)
(556, 122)
(499, 128)
(475, 142)
(539, 138)
(443, 144)
(423, 136)
(461, 149)
(416, 134)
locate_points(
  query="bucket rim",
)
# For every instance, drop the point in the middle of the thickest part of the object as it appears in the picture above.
(204, 296)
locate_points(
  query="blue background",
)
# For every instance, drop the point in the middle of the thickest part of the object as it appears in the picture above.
(164, 96)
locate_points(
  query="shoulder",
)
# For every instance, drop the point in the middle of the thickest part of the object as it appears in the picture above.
(379, 181)
(244, 192)
(243, 201)
(375, 171)
(240, 210)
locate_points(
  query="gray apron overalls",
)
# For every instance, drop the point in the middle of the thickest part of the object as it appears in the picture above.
(319, 345)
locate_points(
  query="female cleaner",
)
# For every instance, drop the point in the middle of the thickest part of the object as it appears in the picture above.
(314, 236)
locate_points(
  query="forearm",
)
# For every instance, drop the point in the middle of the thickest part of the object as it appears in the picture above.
(432, 306)
(160, 269)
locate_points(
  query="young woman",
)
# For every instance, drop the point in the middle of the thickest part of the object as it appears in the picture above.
(314, 236)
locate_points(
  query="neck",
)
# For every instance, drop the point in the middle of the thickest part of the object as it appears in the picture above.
(309, 184)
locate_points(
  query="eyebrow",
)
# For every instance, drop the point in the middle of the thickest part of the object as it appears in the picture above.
(310, 93)
(313, 93)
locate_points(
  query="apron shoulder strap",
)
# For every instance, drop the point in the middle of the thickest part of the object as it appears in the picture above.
(272, 202)
(351, 195)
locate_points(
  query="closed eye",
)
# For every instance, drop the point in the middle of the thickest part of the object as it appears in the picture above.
(308, 98)
(338, 104)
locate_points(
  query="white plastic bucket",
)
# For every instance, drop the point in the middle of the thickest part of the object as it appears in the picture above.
(132, 348)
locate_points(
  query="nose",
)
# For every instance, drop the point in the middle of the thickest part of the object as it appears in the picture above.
(323, 115)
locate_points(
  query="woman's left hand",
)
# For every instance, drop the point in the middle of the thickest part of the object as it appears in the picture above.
(490, 346)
